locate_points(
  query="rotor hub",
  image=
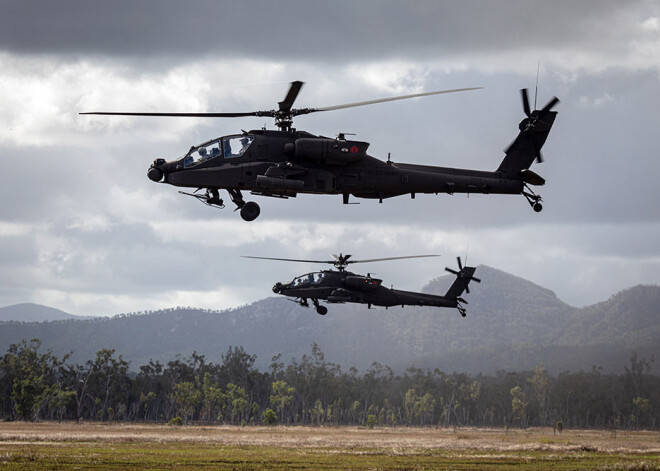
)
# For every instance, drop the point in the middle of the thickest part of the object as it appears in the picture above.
(527, 124)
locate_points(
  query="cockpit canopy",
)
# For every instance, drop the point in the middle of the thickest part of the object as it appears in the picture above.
(228, 147)
(307, 280)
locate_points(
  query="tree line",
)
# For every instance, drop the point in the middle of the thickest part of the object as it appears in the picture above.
(36, 385)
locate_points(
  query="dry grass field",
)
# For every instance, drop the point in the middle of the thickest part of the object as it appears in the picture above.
(121, 446)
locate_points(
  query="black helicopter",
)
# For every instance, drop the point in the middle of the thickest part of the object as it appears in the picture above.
(286, 162)
(341, 286)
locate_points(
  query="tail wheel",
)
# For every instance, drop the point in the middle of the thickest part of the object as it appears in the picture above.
(533, 199)
(250, 211)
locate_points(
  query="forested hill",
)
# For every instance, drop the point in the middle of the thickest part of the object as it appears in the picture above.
(29, 312)
(512, 324)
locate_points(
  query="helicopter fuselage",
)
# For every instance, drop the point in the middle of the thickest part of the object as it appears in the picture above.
(285, 163)
(346, 287)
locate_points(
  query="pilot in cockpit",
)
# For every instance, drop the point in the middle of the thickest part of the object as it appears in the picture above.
(245, 142)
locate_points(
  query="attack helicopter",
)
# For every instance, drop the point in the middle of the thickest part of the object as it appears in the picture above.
(283, 163)
(342, 286)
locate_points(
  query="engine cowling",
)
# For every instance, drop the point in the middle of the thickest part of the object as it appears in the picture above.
(363, 282)
(340, 295)
(331, 151)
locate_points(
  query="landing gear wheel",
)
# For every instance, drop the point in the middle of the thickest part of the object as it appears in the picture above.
(533, 199)
(322, 310)
(250, 211)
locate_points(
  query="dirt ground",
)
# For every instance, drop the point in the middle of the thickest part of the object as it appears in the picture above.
(399, 439)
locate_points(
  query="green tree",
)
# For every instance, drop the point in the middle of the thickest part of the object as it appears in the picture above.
(372, 420)
(452, 400)
(519, 405)
(425, 406)
(146, 401)
(468, 396)
(237, 402)
(80, 376)
(312, 378)
(34, 379)
(109, 375)
(281, 397)
(187, 397)
(333, 411)
(57, 399)
(26, 395)
(317, 413)
(354, 412)
(237, 365)
(641, 409)
(269, 417)
(213, 398)
(540, 383)
(410, 406)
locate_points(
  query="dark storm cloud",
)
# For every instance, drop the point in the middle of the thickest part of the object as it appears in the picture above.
(311, 30)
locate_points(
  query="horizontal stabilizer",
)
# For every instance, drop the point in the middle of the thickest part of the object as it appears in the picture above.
(532, 178)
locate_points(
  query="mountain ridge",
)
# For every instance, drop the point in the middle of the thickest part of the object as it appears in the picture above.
(31, 312)
(512, 324)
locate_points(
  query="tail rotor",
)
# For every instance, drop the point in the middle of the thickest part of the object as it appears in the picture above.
(464, 275)
(526, 147)
(535, 117)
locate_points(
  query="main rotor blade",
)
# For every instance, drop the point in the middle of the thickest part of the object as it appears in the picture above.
(338, 259)
(290, 259)
(185, 115)
(391, 258)
(525, 100)
(287, 103)
(550, 105)
(395, 98)
(539, 156)
(284, 106)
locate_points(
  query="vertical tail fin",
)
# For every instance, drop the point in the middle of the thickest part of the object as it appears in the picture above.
(463, 277)
(534, 130)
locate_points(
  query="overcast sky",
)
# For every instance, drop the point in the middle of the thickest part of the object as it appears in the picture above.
(82, 229)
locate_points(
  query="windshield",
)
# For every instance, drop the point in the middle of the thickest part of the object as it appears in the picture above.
(203, 152)
(308, 279)
(235, 146)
